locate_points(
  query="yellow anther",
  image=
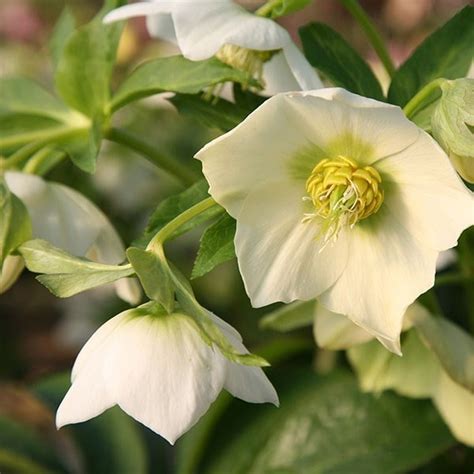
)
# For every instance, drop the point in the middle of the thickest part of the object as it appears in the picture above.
(343, 193)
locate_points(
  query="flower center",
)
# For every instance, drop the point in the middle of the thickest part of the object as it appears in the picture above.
(244, 59)
(343, 194)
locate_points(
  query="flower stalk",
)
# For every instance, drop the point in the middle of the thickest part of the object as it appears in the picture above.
(418, 99)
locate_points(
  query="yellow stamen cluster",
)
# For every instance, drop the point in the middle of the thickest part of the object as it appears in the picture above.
(343, 193)
(244, 59)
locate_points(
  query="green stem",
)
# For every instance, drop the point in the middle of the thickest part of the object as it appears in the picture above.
(43, 161)
(20, 156)
(354, 8)
(266, 9)
(165, 232)
(415, 102)
(174, 167)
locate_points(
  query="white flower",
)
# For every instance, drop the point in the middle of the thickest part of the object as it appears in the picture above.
(71, 222)
(159, 370)
(339, 197)
(222, 28)
(420, 373)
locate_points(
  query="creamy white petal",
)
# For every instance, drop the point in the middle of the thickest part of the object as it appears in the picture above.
(279, 256)
(129, 290)
(303, 72)
(426, 195)
(139, 9)
(245, 382)
(278, 77)
(162, 26)
(387, 270)
(203, 27)
(336, 331)
(168, 377)
(456, 405)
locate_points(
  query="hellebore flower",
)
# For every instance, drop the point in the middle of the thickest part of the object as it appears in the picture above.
(237, 37)
(71, 222)
(420, 373)
(159, 370)
(339, 197)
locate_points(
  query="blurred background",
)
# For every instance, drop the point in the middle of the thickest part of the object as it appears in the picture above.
(41, 335)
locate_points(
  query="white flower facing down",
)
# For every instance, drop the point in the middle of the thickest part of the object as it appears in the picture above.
(222, 28)
(418, 374)
(158, 369)
(71, 222)
(339, 197)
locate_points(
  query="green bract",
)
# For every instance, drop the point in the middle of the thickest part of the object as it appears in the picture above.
(453, 124)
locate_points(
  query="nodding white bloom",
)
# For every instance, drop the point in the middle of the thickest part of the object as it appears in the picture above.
(420, 373)
(159, 370)
(339, 197)
(71, 222)
(222, 28)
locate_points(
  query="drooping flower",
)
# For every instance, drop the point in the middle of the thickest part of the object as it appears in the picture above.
(159, 370)
(71, 222)
(420, 373)
(339, 197)
(222, 28)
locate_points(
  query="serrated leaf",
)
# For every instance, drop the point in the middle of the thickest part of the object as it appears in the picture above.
(326, 425)
(447, 53)
(290, 316)
(216, 246)
(171, 207)
(174, 74)
(453, 346)
(23, 96)
(64, 274)
(110, 442)
(15, 223)
(330, 53)
(85, 67)
(153, 274)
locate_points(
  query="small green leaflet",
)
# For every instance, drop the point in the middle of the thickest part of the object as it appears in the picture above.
(66, 275)
(216, 246)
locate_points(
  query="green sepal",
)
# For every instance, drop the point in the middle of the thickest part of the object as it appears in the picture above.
(64, 274)
(330, 53)
(216, 246)
(278, 8)
(15, 223)
(175, 74)
(291, 316)
(153, 273)
(447, 53)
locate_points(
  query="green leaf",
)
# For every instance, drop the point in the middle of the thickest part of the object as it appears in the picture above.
(290, 316)
(329, 52)
(446, 53)
(109, 443)
(175, 74)
(326, 425)
(63, 29)
(173, 206)
(24, 451)
(22, 96)
(15, 224)
(153, 275)
(85, 67)
(65, 275)
(452, 346)
(216, 246)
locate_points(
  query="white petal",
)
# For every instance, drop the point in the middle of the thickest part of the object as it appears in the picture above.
(456, 405)
(426, 195)
(138, 9)
(335, 331)
(88, 396)
(129, 290)
(162, 26)
(387, 270)
(245, 382)
(446, 259)
(161, 372)
(203, 27)
(304, 73)
(279, 256)
(278, 77)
